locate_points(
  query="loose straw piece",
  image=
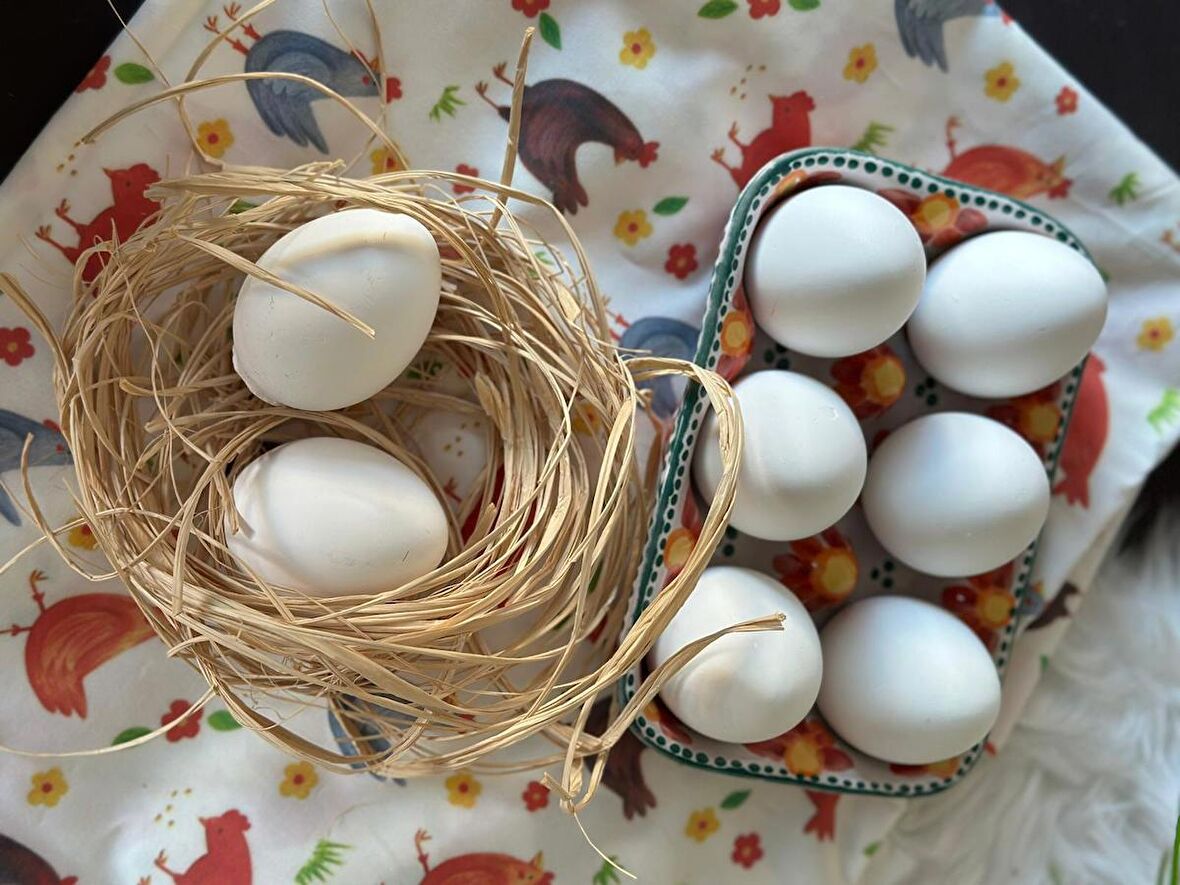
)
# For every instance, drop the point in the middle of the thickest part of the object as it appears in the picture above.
(516, 634)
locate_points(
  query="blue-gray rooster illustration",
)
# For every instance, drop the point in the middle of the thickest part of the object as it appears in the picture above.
(355, 728)
(662, 336)
(919, 24)
(284, 105)
(48, 448)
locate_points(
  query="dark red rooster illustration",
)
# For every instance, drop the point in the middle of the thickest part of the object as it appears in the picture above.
(790, 129)
(1005, 169)
(23, 866)
(226, 860)
(131, 208)
(1086, 437)
(481, 868)
(559, 116)
(71, 638)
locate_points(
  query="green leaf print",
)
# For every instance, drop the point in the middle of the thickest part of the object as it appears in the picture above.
(607, 874)
(1167, 412)
(550, 31)
(735, 800)
(131, 73)
(803, 5)
(717, 9)
(223, 720)
(324, 856)
(1126, 190)
(871, 848)
(875, 136)
(239, 206)
(130, 734)
(447, 103)
(670, 205)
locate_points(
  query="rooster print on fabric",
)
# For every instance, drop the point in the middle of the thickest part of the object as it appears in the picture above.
(23, 866)
(226, 860)
(481, 868)
(920, 25)
(1005, 169)
(556, 118)
(130, 208)
(73, 637)
(789, 130)
(285, 105)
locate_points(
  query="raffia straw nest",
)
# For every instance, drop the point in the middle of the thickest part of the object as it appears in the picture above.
(159, 425)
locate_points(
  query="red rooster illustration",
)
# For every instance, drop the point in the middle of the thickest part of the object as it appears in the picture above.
(1005, 169)
(790, 129)
(1086, 437)
(23, 866)
(559, 116)
(131, 208)
(71, 638)
(226, 860)
(823, 823)
(481, 868)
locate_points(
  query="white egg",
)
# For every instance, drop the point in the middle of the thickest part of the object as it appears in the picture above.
(1007, 313)
(744, 687)
(380, 266)
(334, 517)
(834, 271)
(955, 494)
(803, 462)
(906, 681)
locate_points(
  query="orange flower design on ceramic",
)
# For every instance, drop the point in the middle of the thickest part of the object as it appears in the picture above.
(299, 779)
(737, 337)
(702, 824)
(681, 540)
(870, 382)
(862, 61)
(821, 570)
(1035, 416)
(945, 769)
(215, 137)
(463, 789)
(671, 726)
(939, 220)
(985, 603)
(807, 749)
(48, 788)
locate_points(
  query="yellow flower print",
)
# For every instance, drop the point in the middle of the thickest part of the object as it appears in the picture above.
(300, 780)
(48, 788)
(215, 137)
(736, 334)
(862, 61)
(633, 226)
(384, 160)
(1155, 334)
(637, 48)
(701, 825)
(1001, 81)
(678, 548)
(463, 789)
(82, 536)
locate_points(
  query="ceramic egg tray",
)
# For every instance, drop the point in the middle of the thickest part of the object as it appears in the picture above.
(885, 388)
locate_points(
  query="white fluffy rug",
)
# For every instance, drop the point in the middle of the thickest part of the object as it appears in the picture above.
(1087, 788)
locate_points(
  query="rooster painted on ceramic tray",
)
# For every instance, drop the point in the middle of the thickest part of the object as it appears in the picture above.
(72, 638)
(285, 105)
(559, 116)
(48, 449)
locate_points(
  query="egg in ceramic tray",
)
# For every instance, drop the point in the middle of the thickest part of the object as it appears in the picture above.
(957, 487)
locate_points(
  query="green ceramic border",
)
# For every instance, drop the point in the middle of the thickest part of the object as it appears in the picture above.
(735, 237)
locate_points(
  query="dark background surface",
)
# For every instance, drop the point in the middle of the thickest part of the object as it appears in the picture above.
(1124, 51)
